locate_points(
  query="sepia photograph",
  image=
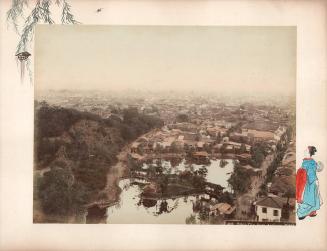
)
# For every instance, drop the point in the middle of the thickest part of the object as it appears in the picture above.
(165, 125)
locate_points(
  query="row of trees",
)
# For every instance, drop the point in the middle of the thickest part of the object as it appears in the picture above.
(240, 180)
(280, 152)
(258, 152)
(135, 124)
(279, 155)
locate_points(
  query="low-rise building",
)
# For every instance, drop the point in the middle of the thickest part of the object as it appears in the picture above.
(201, 156)
(134, 147)
(200, 145)
(222, 209)
(268, 209)
(244, 158)
(259, 136)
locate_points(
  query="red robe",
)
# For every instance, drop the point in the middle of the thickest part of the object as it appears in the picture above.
(301, 179)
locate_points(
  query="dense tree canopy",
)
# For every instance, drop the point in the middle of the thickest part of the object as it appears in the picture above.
(258, 152)
(182, 118)
(60, 193)
(80, 163)
(240, 179)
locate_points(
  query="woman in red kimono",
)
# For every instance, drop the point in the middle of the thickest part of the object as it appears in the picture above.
(307, 187)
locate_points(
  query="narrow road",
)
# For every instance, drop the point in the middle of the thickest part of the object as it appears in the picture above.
(115, 174)
(110, 194)
(244, 201)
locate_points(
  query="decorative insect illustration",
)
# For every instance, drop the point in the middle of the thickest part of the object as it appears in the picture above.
(22, 57)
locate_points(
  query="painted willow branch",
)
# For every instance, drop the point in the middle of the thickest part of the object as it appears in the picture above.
(16, 11)
(39, 14)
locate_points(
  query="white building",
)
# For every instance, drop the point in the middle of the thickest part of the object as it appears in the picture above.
(268, 209)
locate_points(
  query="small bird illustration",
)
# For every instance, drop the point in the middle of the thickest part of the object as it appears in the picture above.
(99, 10)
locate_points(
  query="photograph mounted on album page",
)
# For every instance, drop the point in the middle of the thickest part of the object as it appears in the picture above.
(148, 124)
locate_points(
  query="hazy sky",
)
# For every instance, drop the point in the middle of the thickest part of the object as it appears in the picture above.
(243, 59)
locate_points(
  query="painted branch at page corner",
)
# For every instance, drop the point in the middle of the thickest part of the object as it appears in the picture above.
(307, 185)
(40, 13)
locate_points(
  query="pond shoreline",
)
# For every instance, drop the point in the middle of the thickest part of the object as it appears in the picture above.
(129, 196)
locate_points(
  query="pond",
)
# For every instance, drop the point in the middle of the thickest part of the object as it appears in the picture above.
(216, 174)
(131, 209)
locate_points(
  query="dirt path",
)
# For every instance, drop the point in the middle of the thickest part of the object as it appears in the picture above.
(244, 201)
(115, 174)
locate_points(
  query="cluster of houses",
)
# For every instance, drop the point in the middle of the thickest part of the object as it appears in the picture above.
(251, 136)
(205, 139)
(209, 138)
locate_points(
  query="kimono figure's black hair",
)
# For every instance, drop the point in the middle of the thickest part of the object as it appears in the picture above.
(312, 150)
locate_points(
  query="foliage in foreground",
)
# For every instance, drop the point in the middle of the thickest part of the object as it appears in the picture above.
(79, 149)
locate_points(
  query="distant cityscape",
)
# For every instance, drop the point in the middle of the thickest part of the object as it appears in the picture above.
(231, 158)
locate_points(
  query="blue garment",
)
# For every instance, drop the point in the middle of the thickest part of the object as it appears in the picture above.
(311, 197)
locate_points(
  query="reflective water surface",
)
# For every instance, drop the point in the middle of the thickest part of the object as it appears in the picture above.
(131, 209)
